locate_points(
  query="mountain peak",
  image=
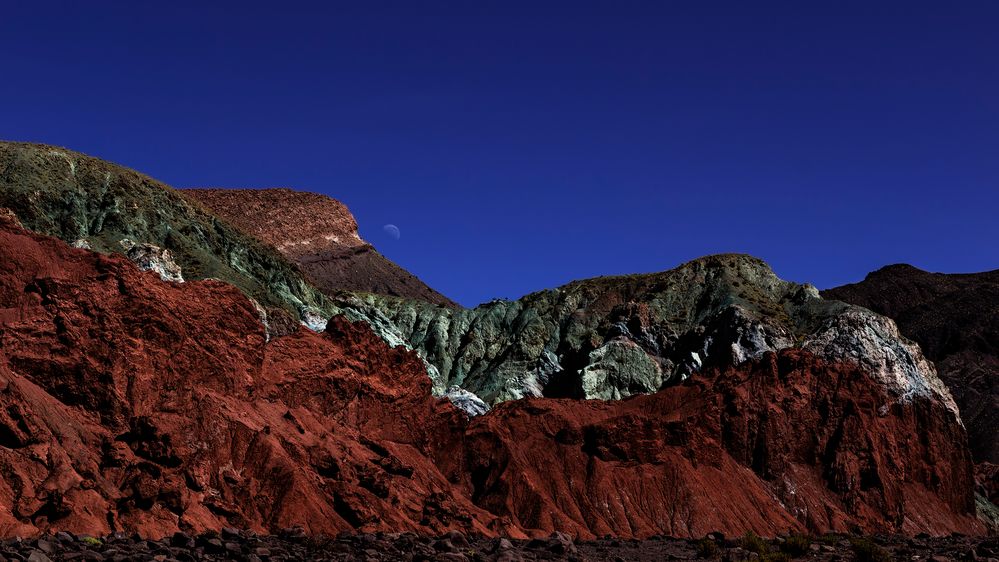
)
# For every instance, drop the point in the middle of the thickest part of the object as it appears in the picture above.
(318, 233)
(296, 223)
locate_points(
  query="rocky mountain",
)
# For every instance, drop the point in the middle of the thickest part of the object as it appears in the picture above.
(109, 208)
(138, 404)
(955, 319)
(153, 379)
(320, 235)
(614, 337)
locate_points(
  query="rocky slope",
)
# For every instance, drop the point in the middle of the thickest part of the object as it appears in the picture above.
(96, 204)
(133, 403)
(137, 404)
(320, 235)
(614, 337)
(955, 319)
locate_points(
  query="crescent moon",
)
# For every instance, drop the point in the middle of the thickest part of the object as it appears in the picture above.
(392, 230)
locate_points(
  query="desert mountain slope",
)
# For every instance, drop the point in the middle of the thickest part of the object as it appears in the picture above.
(955, 319)
(137, 404)
(613, 337)
(320, 235)
(91, 202)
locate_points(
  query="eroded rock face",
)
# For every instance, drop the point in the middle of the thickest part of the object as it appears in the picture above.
(729, 445)
(466, 401)
(296, 223)
(955, 319)
(77, 198)
(9, 216)
(150, 258)
(131, 404)
(614, 337)
(319, 234)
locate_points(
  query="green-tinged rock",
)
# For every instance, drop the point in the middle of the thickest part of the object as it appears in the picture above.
(607, 338)
(619, 369)
(96, 205)
(612, 337)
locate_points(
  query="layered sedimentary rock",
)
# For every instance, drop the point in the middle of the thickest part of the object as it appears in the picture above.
(96, 204)
(614, 337)
(133, 403)
(955, 319)
(320, 235)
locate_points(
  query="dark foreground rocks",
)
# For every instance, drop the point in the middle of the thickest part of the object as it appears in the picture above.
(293, 544)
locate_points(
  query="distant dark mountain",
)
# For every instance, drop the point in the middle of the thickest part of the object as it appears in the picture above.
(955, 318)
(320, 235)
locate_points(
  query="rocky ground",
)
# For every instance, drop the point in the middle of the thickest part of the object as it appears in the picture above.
(292, 544)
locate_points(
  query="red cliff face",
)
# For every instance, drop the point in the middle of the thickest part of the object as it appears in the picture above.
(129, 403)
(788, 442)
(319, 234)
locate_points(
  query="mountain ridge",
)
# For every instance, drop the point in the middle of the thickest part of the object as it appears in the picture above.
(320, 235)
(668, 403)
(84, 200)
(158, 407)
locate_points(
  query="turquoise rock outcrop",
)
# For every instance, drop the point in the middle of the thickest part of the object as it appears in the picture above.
(613, 337)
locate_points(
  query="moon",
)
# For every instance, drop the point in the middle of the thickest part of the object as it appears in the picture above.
(392, 230)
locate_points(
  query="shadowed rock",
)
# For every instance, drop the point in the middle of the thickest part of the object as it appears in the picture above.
(955, 319)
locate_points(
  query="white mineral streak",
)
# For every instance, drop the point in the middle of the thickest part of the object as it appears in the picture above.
(153, 258)
(466, 401)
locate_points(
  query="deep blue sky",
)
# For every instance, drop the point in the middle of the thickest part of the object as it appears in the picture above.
(519, 147)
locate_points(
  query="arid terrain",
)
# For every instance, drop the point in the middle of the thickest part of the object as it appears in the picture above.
(179, 385)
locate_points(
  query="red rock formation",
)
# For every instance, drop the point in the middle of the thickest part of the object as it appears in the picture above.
(789, 442)
(319, 234)
(135, 404)
(297, 223)
(130, 403)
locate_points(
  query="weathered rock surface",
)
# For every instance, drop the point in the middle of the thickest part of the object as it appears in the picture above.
(74, 197)
(320, 235)
(148, 258)
(955, 319)
(466, 401)
(133, 404)
(614, 337)
(822, 440)
(128, 403)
